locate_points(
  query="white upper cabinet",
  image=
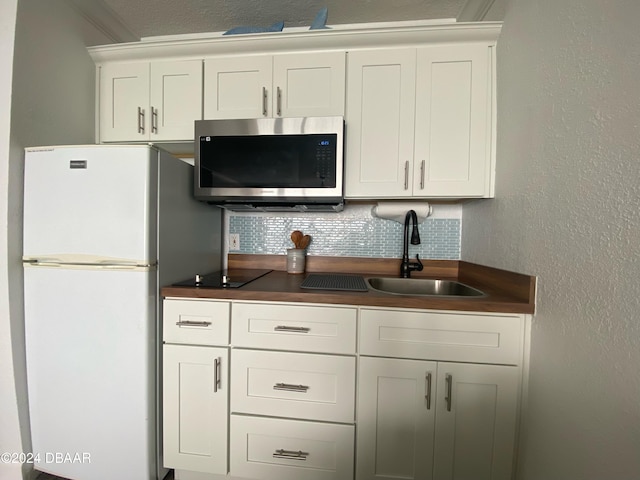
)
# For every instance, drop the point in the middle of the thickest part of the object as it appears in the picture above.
(287, 85)
(380, 123)
(419, 122)
(150, 101)
(453, 142)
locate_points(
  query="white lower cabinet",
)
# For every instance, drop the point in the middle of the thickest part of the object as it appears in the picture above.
(280, 449)
(438, 394)
(279, 391)
(195, 408)
(396, 418)
(435, 420)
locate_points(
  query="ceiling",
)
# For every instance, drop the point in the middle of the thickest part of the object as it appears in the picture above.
(131, 20)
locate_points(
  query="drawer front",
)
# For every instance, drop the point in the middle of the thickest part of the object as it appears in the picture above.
(277, 449)
(294, 327)
(199, 322)
(458, 337)
(295, 385)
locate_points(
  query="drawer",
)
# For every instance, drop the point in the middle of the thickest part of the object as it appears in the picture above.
(279, 449)
(199, 322)
(294, 327)
(458, 337)
(295, 385)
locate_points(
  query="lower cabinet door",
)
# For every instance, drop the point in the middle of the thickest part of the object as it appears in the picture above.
(279, 449)
(395, 418)
(476, 411)
(195, 410)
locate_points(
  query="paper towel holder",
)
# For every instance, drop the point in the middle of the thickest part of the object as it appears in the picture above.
(396, 211)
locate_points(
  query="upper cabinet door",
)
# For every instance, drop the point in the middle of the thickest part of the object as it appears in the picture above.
(380, 123)
(124, 99)
(453, 135)
(175, 100)
(309, 84)
(288, 85)
(237, 87)
(150, 101)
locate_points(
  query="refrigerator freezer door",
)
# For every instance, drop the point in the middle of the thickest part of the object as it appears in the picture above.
(90, 338)
(92, 201)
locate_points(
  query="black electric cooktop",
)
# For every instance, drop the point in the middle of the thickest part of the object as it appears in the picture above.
(232, 278)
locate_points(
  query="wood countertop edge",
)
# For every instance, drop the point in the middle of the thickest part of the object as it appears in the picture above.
(507, 292)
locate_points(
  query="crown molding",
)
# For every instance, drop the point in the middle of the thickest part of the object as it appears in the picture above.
(475, 10)
(104, 19)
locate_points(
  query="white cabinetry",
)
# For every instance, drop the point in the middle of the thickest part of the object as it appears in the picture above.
(420, 122)
(144, 101)
(292, 412)
(195, 410)
(195, 385)
(274, 391)
(435, 419)
(286, 85)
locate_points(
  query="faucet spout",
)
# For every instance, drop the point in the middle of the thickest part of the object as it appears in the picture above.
(406, 267)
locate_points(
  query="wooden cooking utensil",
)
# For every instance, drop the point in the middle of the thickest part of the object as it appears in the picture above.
(296, 237)
(304, 242)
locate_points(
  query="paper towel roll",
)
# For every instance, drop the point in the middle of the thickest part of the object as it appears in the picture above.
(397, 211)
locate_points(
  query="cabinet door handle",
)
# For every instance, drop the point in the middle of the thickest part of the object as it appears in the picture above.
(291, 454)
(140, 120)
(192, 323)
(406, 175)
(216, 374)
(291, 388)
(449, 382)
(285, 328)
(264, 101)
(154, 120)
(422, 165)
(279, 100)
(427, 395)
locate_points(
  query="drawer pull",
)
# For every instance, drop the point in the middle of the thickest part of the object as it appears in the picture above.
(291, 454)
(291, 388)
(192, 323)
(285, 328)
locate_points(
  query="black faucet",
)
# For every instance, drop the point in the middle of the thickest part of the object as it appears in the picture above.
(406, 267)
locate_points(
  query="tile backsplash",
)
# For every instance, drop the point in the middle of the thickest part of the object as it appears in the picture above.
(354, 232)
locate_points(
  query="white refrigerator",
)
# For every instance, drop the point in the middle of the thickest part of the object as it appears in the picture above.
(105, 227)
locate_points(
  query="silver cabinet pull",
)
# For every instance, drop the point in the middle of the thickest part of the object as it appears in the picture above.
(422, 164)
(285, 328)
(449, 382)
(192, 323)
(279, 98)
(406, 175)
(291, 388)
(427, 395)
(154, 120)
(140, 120)
(216, 374)
(264, 101)
(291, 454)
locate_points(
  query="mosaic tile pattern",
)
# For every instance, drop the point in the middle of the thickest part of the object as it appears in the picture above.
(351, 233)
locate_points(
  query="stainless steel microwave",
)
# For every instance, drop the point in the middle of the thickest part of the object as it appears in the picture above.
(271, 164)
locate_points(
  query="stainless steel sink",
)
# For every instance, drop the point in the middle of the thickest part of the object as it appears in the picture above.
(422, 286)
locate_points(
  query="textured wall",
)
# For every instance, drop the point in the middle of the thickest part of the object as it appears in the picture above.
(568, 211)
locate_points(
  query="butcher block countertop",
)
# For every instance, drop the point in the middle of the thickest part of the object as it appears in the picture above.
(506, 292)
